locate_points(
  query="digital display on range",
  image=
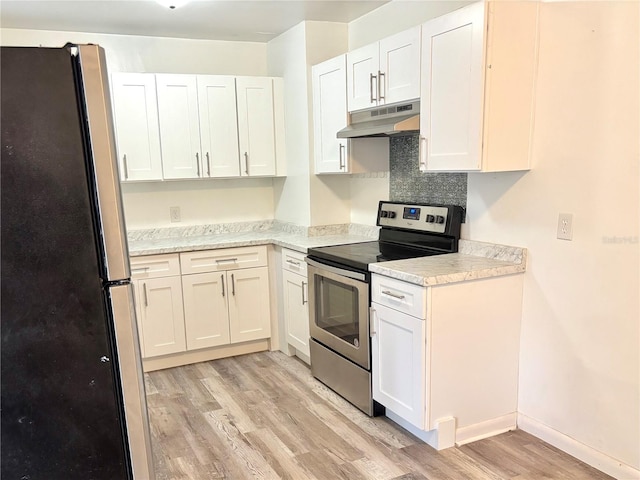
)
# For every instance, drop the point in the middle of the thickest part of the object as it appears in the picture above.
(411, 213)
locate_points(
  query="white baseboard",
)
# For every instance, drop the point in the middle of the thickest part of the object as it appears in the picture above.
(486, 429)
(582, 452)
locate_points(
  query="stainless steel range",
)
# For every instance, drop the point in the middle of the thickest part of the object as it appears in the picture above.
(339, 292)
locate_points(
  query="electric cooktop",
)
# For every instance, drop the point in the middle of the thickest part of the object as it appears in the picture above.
(407, 231)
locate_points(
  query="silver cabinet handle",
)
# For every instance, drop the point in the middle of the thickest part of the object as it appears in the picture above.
(144, 291)
(198, 163)
(371, 90)
(422, 154)
(126, 167)
(208, 165)
(304, 300)
(372, 314)
(381, 75)
(394, 295)
(222, 282)
(140, 269)
(233, 286)
(342, 162)
(246, 163)
(293, 262)
(224, 260)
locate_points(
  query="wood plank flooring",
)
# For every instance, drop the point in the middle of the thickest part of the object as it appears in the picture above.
(263, 416)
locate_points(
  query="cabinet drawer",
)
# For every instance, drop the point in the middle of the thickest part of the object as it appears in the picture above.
(401, 296)
(155, 266)
(223, 259)
(293, 261)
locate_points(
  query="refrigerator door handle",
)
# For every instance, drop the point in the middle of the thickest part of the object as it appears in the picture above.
(102, 149)
(132, 380)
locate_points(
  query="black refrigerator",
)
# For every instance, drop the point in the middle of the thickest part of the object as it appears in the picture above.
(72, 393)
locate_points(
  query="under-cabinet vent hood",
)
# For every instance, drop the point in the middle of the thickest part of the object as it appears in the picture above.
(395, 119)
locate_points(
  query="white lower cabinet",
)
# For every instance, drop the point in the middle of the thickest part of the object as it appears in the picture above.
(295, 298)
(296, 310)
(226, 307)
(249, 312)
(205, 310)
(398, 355)
(160, 315)
(445, 357)
(224, 303)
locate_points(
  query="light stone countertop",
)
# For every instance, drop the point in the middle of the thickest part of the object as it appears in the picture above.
(474, 260)
(294, 241)
(451, 267)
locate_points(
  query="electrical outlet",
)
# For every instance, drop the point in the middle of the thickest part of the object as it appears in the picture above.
(565, 226)
(174, 213)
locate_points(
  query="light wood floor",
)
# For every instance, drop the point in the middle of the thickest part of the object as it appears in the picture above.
(263, 416)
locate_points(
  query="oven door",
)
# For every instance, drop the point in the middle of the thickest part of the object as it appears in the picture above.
(339, 311)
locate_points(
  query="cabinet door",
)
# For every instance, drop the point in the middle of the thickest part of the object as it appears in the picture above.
(135, 112)
(218, 126)
(362, 77)
(330, 115)
(162, 317)
(205, 310)
(452, 90)
(296, 310)
(399, 77)
(179, 126)
(249, 312)
(256, 126)
(399, 370)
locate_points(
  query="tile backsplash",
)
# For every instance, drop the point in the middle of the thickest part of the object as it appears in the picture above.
(408, 184)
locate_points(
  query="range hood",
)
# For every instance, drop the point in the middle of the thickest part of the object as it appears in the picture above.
(394, 119)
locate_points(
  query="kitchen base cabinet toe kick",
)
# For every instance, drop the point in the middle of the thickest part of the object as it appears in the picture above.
(445, 365)
(209, 304)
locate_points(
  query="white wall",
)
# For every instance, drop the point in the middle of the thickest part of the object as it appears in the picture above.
(301, 197)
(128, 53)
(201, 202)
(367, 189)
(287, 58)
(579, 367)
(396, 16)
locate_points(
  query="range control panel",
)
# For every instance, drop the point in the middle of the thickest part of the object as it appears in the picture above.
(423, 218)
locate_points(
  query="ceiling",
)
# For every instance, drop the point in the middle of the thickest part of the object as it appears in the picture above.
(234, 20)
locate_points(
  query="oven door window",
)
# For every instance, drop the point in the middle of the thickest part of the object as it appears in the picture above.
(337, 310)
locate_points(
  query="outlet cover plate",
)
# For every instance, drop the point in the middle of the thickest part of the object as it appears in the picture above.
(565, 226)
(174, 212)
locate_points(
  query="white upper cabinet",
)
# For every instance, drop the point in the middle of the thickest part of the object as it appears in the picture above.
(479, 66)
(399, 77)
(179, 126)
(136, 122)
(218, 126)
(330, 115)
(256, 126)
(362, 74)
(174, 126)
(385, 72)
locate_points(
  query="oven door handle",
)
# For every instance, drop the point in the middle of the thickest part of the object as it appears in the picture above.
(337, 271)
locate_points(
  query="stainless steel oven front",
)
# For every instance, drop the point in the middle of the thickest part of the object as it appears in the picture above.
(339, 311)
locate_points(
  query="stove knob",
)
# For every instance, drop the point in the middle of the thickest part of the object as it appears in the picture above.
(439, 219)
(384, 213)
(431, 219)
(392, 214)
